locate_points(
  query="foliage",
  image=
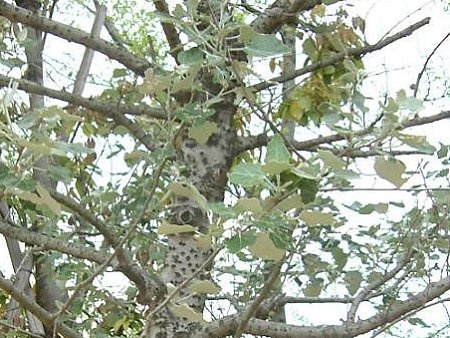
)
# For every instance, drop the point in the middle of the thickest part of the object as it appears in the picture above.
(192, 174)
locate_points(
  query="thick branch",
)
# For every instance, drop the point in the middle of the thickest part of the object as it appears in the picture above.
(114, 111)
(252, 142)
(49, 243)
(69, 33)
(97, 105)
(282, 12)
(169, 29)
(350, 52)
(29, 304)
(224, 327)
(147, 285)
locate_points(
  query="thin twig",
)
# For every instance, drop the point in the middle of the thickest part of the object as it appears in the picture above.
(419, 76)
(349, 52)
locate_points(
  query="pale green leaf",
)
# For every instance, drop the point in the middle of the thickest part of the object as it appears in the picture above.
(37, 148)
(312, 218)
(313, 288)
(289, 203)
(264, 248)
(48, 200)
(202, 132)
(275, 167)
(248, 204)
(247, 175)
(172, 229)
(185, 311)
(277, 151)
(262, 45)
(204, 286)
(191, 56)
(187, 190)
(306, 171)
(390, 170)
(331, 160)
(204, 241)
(418, 142)
(353, 281)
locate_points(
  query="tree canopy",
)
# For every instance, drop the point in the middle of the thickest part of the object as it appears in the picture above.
(224, 170)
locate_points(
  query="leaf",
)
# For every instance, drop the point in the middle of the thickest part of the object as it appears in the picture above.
(390, 170)
(204, 286)
(314, 288)
(277, 151)
(185, 311)
(191, 56)
(310, 49)
(331, 160)
(202, 132)
(221, 210)
(172, 229)
(239, 241)
(35, 147)
(247, 175)
(312, 218)
(417, 321)
(292, 202)
(380, 208)
(418, 142)
(204, 241)
(411, 103)
(261, 45)
(63, 148)
(248, 204)
(275, 167)
(48, 200)
(306, 171)
(187, 190)
(265, 249)
(353, 281)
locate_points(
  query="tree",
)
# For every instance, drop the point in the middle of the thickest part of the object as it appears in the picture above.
(216, 197)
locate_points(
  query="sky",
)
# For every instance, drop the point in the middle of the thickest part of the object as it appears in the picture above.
(391, 69)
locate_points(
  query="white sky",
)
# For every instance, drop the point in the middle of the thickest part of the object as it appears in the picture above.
(398, 65)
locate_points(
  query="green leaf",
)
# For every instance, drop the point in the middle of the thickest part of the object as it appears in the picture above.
(63, 148)
(221, 210)
(310, 49)
(353, 281)
(201, 133)
(248, 204)
(187, 190)
(247, 175)
(313, 218)
(331, 160)
(417, 321)
(340, 257)
(313, 288)
(275, 167)
(172, 229)
(48, 200)
(204, 286)
(411, 103)
(240, 241)
(119, 72)
(418, 142)
(307, 171)
(265, 249)
(191, 56)
(261, 45)
(277, 151)
(390, 170)
(185, 311)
